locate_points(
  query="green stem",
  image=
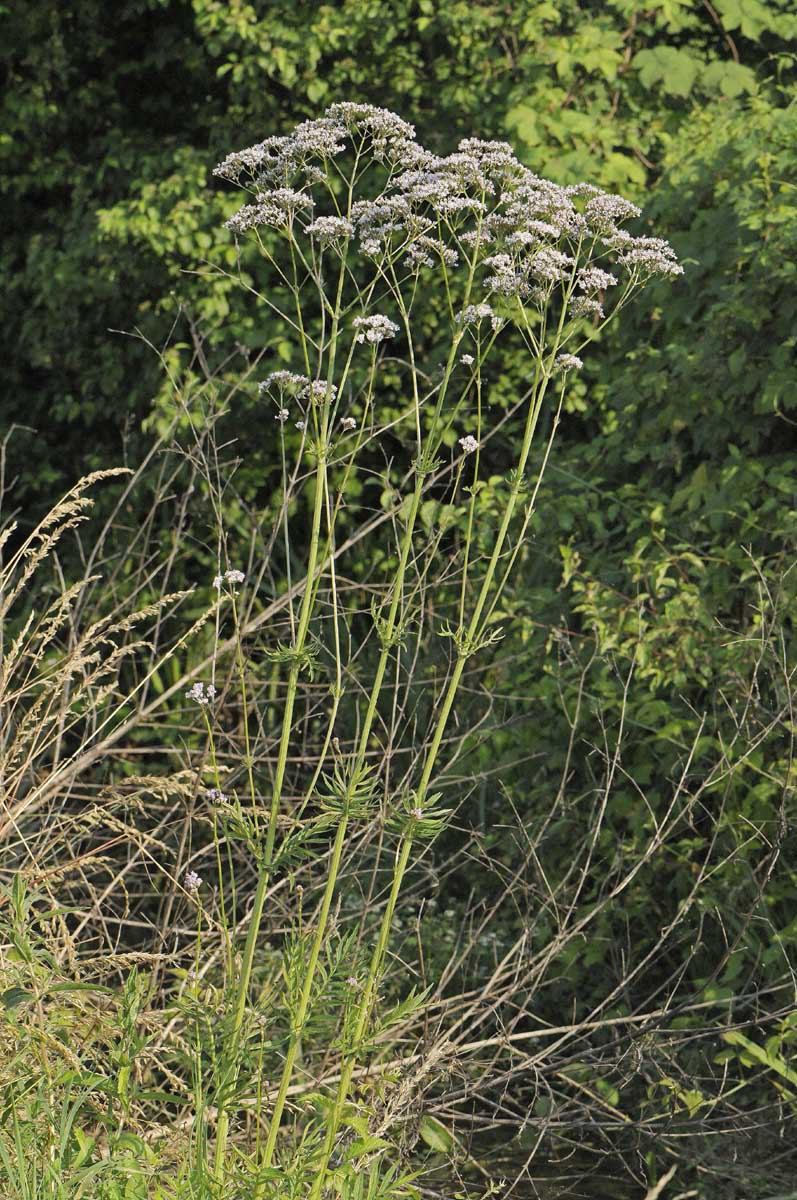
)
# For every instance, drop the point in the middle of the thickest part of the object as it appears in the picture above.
(304, 999)
(334, 866)
(268, 852)
(390, 626)
(405, 846)
(369, 989)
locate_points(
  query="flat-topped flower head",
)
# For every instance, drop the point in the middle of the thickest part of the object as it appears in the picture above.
(585, 306)
(593, 279)
(649, 256)
(347, 424)
(477, 195)
(567, 362)
(551, 266)
(323, 138)
(327, 230)
(469, 444)
(473, 313)
(604, 211)
(200, 693)
(387, 131)
(276, 208)
(282, 415)
(232, 576)
(283, 381)
(374, 329)
(318, 391)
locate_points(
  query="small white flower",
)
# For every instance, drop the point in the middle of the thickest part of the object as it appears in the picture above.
(318, 391)
(352, 981)
(374, 329)
(593, 279)
(475, 313)
(330, 229)
(199, 693)
(417, 813)
(192, 882)
(300, 425)
(233, 576)
(585, 306)
(467, 360)
(283, 381)
(468, 443)
(567, 362)
(348, 423)
(215, 796)
(282, 416)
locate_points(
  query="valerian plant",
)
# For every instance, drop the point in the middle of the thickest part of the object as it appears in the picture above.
(356, 221)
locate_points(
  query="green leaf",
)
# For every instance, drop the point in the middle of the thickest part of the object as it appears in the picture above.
(366, 1145)
(14, 996)
(85, 1145)
(750, 16)
(524, 122)
(775, 1062)
(675, 70)
(436, 1136)
(729, 78)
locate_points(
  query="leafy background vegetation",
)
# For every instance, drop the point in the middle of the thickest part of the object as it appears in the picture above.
(659, 585)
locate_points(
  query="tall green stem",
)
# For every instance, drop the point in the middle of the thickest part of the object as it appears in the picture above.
(279, 777)
(365, 732)
(405, 846)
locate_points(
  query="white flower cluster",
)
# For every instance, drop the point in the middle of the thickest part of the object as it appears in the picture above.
(567, 362)
(378, 220)
(647, 255)
(584, 306)
(593, 279)
(387, 133)
(549, 265)
(604, 212)
(192, 882)
(233, 576)
(473, 313)
(318, 391)
(198, 692)
(374, 329)
(508, 279)
(327, 230)
(469, 444)
(276, 160)
(277, 208)
(283, 381)
(424, 251)
(536, 241)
